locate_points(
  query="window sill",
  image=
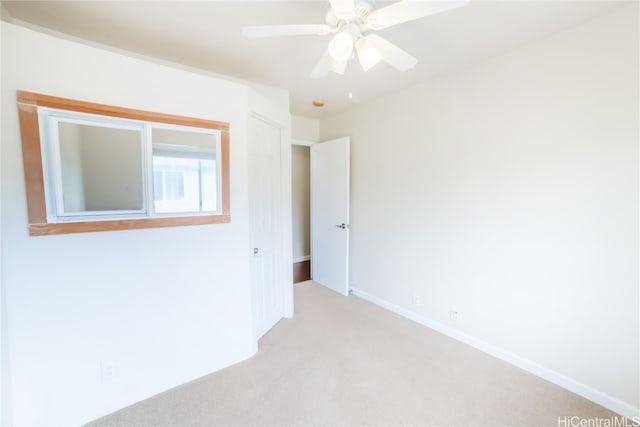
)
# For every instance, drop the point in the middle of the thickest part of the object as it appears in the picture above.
(47, 229)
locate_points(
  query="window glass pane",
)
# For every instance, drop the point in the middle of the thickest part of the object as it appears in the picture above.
(179, 184)
(184, 140)
(174, 185)
(158, 186)
(100, 168)
(187, 161)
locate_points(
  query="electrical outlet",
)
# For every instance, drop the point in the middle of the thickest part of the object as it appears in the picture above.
(416, 300)
(108, 371)
(453, 314)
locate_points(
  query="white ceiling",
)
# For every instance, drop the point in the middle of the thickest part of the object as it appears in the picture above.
(207, 35)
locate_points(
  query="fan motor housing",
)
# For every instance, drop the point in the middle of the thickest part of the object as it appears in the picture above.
(357, 15)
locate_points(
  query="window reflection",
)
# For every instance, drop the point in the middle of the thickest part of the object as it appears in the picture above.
(100, 168)
(185, 175)
(184, 185)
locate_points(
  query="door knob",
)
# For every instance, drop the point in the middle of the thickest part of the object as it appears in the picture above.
(255, 251)
(343, 226)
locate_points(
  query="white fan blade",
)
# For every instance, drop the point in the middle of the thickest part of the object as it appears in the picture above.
(392, 54)
(285, 30)
(322, 68)
(408, 10)
(327, 64)
(368, 55)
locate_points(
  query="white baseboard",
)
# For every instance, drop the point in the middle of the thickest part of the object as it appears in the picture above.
(302, 258)
(563, 381)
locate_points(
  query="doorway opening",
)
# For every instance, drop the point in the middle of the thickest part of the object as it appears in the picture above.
(301, 212)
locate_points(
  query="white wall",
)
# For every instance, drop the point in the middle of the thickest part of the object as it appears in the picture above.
(508, 191)
(305, 129)
(163, 305)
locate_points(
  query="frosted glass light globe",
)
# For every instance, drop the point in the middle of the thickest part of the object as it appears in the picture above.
(341, 46)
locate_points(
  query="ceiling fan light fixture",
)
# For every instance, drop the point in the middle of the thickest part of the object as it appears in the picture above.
(338, 67)
(352, 23)
(341, 46)
(368, 56)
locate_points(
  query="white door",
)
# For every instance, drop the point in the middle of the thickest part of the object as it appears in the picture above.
(265, 198)
(330, 214)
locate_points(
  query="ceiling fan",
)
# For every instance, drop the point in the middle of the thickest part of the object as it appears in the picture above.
(353, 22)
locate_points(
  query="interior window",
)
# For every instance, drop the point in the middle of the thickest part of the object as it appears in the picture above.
(120, 169)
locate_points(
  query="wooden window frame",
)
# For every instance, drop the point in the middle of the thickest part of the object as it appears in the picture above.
(28, 104)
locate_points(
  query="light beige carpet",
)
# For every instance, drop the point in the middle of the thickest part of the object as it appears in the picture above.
(343, 361)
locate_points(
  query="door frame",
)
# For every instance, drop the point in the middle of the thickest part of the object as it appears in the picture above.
(278, 116)
(304, 143)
